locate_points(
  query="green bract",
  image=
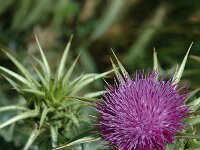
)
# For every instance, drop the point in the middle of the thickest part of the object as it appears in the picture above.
(53, 106)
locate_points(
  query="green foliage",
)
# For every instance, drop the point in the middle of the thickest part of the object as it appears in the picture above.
(51, 101)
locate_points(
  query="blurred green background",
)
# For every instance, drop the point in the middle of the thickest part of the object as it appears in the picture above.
(132, 28)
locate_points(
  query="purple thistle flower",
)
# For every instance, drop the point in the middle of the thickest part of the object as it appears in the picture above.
(142, 114)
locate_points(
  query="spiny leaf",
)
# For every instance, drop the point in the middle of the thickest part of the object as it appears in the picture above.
(69, 72)
(33, 91)
(192, 120)
(194, 104)
(40, 64)
(79, 141)
(13, 83)
(34, 134)
(79, 79)
(73, 119)
(68, 87)
(92, 76)
(42, 79)
(47, 67)
(44, 114)
(82, 99)
(94, 94)
(16, 76)
(82, 84)
(63, 59)
(188, 136)
(76, 80)
(191, 94)
(54, 135)
(14, 107)
(27, 114)
(22, 69)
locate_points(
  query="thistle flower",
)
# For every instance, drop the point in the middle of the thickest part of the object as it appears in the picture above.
(141, 113)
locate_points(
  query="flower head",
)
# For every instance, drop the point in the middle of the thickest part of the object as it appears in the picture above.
(142, 113)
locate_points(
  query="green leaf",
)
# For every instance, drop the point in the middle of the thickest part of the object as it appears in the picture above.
(82, 83)
(34, 134)
(44, 115)
(22, 69)
(194, 104)
(73, 118)
(27, 114)
(54, 136)
(47, 67)
(14, 107)
(87, 100)
(94, 94)
(40, 64)
(182, 66)
(33, 91)
(191, 94)
(42, 79)
(76, 80)
(79, 141)
(16, 76)
(196, 142)
(69, 72)
(69, 87)
(188, 136)
(63, 59)
(192, 120)
(13, 83)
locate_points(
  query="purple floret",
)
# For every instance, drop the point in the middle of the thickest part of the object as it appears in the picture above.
(142, 113)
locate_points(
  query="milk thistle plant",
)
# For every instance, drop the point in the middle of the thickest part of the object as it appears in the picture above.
(141, 113)
(148, 113)
(53, 109)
